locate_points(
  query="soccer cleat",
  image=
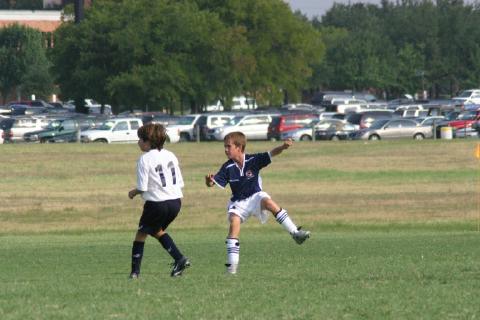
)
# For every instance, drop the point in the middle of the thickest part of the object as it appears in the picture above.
(231, 268)
(133, 276)
(179, 266)
(300, 235)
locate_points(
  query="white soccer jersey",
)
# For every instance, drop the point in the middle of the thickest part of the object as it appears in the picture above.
(159, 176)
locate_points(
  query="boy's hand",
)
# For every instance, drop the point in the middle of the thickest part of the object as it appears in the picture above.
(209, 180)
(132, 193)
(287, 143)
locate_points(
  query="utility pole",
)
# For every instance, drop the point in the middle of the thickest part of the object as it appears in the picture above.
(78, 5)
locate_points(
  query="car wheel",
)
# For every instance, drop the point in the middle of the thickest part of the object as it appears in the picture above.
(374, 137)
(335, 138)
(305, 137)
(419, 136)
(100, 141)
(184, 137)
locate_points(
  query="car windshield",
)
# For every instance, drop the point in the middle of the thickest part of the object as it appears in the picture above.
(378, 123)
(235, 120)
(107, 125)
(186, 120)
(54, 124)
(466, 116)
(324, 125)
(465, 94)
(311, 124)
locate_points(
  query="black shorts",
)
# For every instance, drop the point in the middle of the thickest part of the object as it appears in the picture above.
(158, 215)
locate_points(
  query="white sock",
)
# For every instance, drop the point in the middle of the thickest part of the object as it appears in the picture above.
(283, 218)
(233, 251)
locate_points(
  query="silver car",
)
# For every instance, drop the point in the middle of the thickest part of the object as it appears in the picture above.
(393, 129)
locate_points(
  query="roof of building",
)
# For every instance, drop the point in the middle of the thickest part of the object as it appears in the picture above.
(43, 20)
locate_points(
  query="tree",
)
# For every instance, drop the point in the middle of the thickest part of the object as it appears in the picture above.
(23, 62)
(173, 52)
(282, 47)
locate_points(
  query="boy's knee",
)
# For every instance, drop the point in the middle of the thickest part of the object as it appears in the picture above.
(270, 205)
(234, 219)
(140, 236)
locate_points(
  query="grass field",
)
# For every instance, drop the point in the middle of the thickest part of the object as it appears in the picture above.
(395, 235)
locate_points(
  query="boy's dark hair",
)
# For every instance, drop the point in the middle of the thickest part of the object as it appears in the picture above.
(237, 138)
(154, 133)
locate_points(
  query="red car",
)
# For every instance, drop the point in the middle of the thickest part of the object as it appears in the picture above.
(288, 122)
(465, 119)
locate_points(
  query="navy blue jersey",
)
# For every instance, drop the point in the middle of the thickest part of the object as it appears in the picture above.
(245, 181)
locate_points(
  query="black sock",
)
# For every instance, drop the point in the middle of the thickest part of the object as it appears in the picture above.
(168, 244)
(137, 254)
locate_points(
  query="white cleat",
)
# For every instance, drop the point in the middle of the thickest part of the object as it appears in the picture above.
(231, 268)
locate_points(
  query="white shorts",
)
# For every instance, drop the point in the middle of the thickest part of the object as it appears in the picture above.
(252, 206)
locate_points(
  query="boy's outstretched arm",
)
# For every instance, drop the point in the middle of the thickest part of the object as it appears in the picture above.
(286, 144)
(209, 180)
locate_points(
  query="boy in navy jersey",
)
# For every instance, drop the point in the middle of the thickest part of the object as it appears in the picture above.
(242, 172)
(160, 182)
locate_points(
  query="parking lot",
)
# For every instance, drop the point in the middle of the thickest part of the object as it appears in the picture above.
(334, 118)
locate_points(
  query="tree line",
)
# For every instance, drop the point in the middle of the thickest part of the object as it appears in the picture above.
(181, 55)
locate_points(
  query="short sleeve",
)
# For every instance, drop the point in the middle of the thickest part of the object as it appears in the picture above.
(263, 159)
(142, 175)
(221, 178)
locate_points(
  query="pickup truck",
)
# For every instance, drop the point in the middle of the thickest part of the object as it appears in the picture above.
(115, 130)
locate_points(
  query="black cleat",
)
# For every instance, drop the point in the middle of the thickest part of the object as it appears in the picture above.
(179, 266)
(300, 235)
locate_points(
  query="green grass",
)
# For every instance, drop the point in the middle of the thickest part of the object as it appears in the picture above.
(336, 275)
(395, 235)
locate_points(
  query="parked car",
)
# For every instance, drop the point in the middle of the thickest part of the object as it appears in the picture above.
(114, 130)
(344, 105)
(324, 98)
(25, 110)
(58, 130)
(92, 106)
(287, 122)
(465, 119)
(430, 121)
(254, 126)
(185, 126)
(333, 130)
(208, 122)
(158, 117)
(32, 103)
(466, 132)
(393, 129)
(19, 126)
(368, 117)
(466, 96)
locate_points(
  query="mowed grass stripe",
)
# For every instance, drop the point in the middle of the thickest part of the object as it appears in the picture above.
(346, 274)
(392, 176)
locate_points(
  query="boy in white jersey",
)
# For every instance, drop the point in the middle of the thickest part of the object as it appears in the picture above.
(242, 172)
(160, 182)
